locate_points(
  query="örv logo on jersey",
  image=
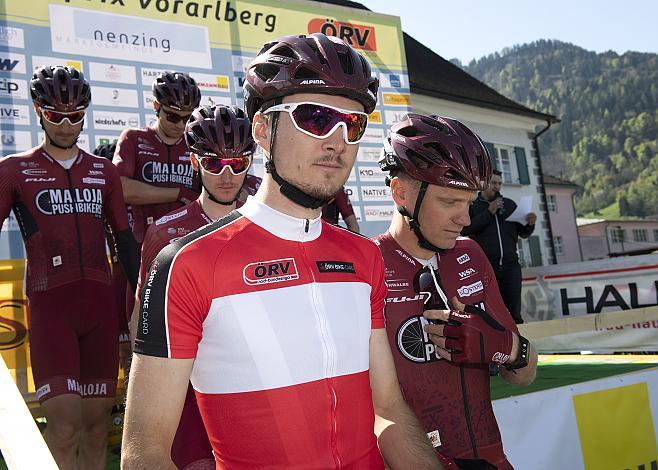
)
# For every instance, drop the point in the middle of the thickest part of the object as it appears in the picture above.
(64, 201)
(267, 272)
(177, 173)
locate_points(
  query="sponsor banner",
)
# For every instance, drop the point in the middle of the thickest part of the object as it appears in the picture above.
(15, 141)
(257, 169)
(148, 100)
(12, 37)
(215, 100)
(378, 213)
(11, 62)
(40, 61)
(150, 120)
(149, 74)
(375, 193)
(375, 117)
(112, 73)
(14, 88)
(570, 289)
(239, 83)
(352, 193)
(212, 82)
(120, 97)
(358, 214)
(393, 80)
(115, 121)
(99, 34)
(396, 99)
(373, 135)
(371, 173)
(16, 114)
(352, 177)
(368, 154)
(606, 423)
(240, 63)
(393, 117)
(106, 139)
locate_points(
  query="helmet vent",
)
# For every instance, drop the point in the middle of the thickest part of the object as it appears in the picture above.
(439, 149)
(286, 51)
(408, 131)
(303, 72)
(313, 45)
(266, 72)
(417, 159)
(346, 62)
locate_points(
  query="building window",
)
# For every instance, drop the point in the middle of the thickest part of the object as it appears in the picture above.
(521, 253)
(557, 243)
(640, 234)
(504, 164)
(551, 202)
(617, 235)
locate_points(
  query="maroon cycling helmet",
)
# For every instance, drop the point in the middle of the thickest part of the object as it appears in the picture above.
(62, 89)
(309, 64)
(437, 150)
(222, 130)
(177, 90)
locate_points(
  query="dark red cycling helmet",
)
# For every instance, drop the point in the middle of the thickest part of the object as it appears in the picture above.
(437, 150)
(309, 64)
(62, 89)
(222, 130)
(177, 90)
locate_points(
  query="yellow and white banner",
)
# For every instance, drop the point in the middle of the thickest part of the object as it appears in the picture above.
(606, 424)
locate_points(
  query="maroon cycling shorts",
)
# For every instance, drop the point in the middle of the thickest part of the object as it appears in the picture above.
(191, 444)
(74, 344)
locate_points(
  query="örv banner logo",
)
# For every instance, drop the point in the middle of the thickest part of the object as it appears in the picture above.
(268, 272)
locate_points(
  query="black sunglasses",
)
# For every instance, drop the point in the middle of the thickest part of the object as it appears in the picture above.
(175, 118)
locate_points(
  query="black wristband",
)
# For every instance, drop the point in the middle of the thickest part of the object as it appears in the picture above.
(522, 358)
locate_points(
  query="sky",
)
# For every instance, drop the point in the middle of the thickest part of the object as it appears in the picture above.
(468, 29)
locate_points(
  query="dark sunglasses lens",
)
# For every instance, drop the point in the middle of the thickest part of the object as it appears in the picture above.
(215, 165)
(175, 118)
(58, 118)
(320, 120)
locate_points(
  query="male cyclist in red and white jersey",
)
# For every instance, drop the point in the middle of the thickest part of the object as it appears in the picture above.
(447, 324)
(62, 198)
(275, 316)
(221, 146)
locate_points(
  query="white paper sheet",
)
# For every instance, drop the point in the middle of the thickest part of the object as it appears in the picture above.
(523, 208)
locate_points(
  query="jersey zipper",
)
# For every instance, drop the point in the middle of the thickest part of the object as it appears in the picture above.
(500, 241)
(330, 353)
(77, 223)
(467, 413)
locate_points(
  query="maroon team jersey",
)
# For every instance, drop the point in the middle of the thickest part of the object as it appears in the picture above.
(143, 156)
(168, 229)
(61, 214)
(452, 401)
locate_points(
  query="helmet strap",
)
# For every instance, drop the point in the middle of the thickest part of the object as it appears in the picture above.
(289, 190)
(414, 223)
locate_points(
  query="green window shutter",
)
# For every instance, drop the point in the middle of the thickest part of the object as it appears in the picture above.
(492, 153)
(535, 251)
(522, 165)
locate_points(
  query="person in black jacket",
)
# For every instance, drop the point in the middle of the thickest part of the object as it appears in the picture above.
(498, 239)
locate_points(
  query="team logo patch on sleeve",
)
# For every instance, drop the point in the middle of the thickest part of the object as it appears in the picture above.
(267, 272)
(335, 267)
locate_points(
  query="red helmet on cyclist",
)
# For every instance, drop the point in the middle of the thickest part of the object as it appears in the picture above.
(61, 89)
(177, 90)
(308, 64)
(437, 150)
(222, 130)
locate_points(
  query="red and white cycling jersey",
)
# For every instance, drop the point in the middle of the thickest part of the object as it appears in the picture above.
(143, 156)
(277, 313)
(62, 214)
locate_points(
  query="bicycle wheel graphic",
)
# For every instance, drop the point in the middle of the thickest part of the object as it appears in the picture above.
(411, 340)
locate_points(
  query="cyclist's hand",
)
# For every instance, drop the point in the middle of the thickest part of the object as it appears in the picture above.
(469, 335)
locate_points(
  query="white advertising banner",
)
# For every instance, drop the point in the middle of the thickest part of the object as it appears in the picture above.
(601, 424)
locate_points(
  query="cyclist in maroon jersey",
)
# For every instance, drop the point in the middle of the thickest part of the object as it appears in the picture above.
(251, 308)
(62, 198)
(154, 163)
(222, 156)
(342, 205)
(444, 357)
